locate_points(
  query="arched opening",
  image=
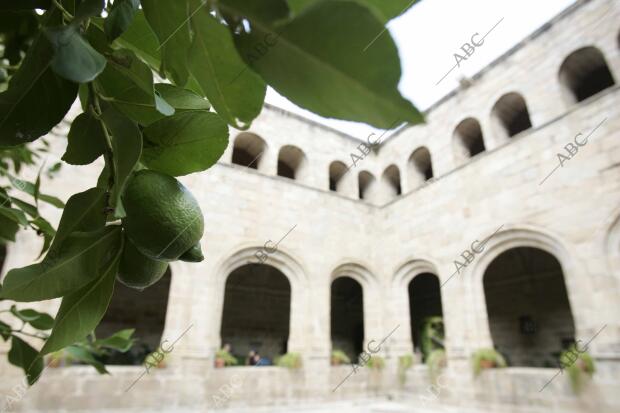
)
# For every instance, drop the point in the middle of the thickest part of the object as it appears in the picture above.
(426, 314)
(510, 115)
(291, 160)
(256, 314)
(347, 316)
(584, 73)
(538, 324)
(337, 170)
(366, 182)
(420, 166)
(391, 181)
(248, 150)
(468, 139)
(143, 310)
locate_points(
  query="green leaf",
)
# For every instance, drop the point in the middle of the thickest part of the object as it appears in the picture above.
(8, 228)
(265, 10)
(30, 189)
(40, 321)
(75, 264)
(34, 89)
(24, 356)
(88, 8)
(185, 143)
(181, 99)
(235, 91)
(169, 19)
(120, 17)
(86, 140)
(120, 341)
(80, 312)
(84, 356)
(127, 148)
(5, 331)
(386, 10)
(74, 57)
(140, 39)
(128, 84)
(85, 212)
(15, 215)
(321, 62)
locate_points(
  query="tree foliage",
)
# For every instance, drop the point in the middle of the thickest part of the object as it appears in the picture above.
(160, 83)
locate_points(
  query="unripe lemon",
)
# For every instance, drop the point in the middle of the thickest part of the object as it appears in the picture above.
(136, 270)
(163, 218)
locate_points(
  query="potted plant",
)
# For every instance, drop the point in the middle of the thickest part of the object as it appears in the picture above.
(290, 361)
(339, 357)
(404, 363)
(431, 335)
(487, 358)
(436, 361)
(579, 365)
(223, 358)
(376, 363)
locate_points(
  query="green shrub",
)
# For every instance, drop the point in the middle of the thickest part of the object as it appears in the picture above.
(404, 363)
(376, 363)
(435, 362)
(229, 359)
(339, 357)
(487, 355)
(579, 365)
(289, 360)
(431, 335)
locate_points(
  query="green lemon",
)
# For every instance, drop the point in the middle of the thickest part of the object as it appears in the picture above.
(163, 218)
(136, 270)
(194, 254)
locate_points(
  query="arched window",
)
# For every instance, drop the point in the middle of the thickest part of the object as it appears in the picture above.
(291, 160)
(584, 73)
(538, 323)
(420, 167)
(366, 183)
(391, 181)
(510, 115)
(426, 313)
(337, 170)
(248, 150)
(143, 310)
(256, 315)
(347, 317)
(468, 139)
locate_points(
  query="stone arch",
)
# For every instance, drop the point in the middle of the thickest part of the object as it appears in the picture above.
(248, 150)
(337, 170)
(400, 299)
(612, 247)
(256, 312)
(148, 311)
(420, 167)
(366, 185)
(425, 305)
(507, 239)
(584, 73)
(372, 327)
(510, 115)
(290, 267)
(390, 182)
(347, 316)
(468, 140)
(538, 324)
(292, 162)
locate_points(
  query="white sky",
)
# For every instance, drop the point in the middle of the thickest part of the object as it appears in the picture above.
(431, 32)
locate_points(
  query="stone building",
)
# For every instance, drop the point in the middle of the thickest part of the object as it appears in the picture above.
(501, 214)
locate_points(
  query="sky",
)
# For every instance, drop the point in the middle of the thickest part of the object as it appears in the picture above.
(429, 34)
